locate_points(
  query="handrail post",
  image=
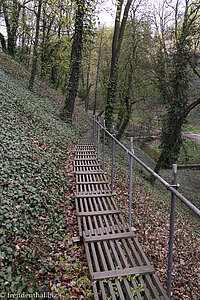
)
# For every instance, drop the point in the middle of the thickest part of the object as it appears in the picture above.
(93, 128)
(95, 131)
(104, 138)
(97, 126)
(98, 137)
(171, 235)
(130, 182)
(112, 167)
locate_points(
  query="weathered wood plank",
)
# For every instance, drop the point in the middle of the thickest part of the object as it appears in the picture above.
(98, 213)
(92, 182)
(116, 236)
(142, 270)
(89, 172)
(79, 221)
(93, 195)
(85, 159)
(86, 165)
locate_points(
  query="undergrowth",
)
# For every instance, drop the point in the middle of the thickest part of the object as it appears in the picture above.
(34, 146)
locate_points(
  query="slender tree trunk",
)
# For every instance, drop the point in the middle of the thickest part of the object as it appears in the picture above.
(3, 42)
(12, 25)
(125, 114)
(35, 50)
(76, 55)
(97, 76)
(88, 86)
(126, 118)
(116, 46)
(44, 54)
(45, 51)
(23, 44)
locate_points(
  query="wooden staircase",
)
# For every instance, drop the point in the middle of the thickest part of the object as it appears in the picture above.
(117, 264)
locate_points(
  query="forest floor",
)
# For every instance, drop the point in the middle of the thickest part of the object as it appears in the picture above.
(150, 216)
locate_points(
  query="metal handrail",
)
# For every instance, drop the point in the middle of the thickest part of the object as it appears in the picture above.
(171, 187)
(163, 181)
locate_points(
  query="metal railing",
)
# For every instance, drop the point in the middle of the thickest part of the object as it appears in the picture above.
(97, 126)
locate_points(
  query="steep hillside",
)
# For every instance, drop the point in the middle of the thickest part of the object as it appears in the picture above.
(20, 72)
(151, 218)
(36, 214)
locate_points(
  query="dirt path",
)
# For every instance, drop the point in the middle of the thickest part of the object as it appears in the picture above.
(195, 137)
(149, 130)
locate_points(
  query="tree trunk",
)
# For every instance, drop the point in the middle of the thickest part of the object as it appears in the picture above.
(178, 98)
(88, 86)
(23, 38)
(173, 140)
(45, 51)
(3, 42)
(125, 114)
(76, 55)
(116, 46)
(12, 25)
(35, 50)
(126, 119)
(97, 75)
